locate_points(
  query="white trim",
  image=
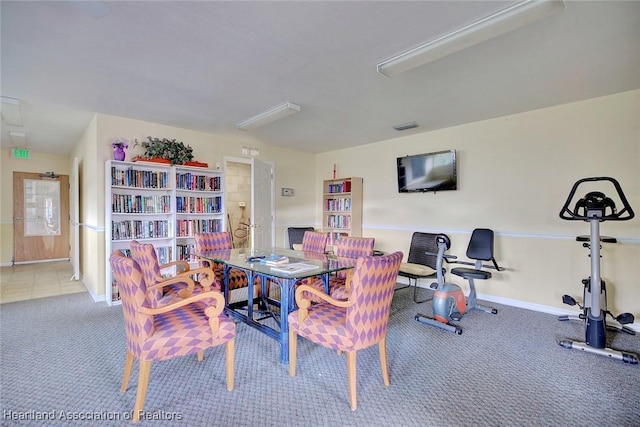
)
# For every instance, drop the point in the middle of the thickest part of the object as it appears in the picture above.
(627, 240)
(539, 307)
(97, 228)
(521, 304)
(40, 261)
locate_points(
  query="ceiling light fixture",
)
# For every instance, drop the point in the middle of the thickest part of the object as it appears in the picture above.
(499, 23)
(406, 126)
(11, 111)
(275, 113)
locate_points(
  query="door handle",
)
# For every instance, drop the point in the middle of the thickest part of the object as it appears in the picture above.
(19, 218)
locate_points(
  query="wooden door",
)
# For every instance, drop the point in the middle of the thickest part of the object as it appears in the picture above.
(40, 217)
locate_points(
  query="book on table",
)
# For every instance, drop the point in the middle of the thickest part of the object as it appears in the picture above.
(275, 260)
(295, 267)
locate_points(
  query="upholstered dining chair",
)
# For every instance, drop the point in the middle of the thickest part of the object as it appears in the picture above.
(157, 290)
(314, 241)
(353, 324)
(186, 326)
(219, 241)
(348, 247)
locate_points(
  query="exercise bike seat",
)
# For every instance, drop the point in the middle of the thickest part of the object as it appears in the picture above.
(471, 273)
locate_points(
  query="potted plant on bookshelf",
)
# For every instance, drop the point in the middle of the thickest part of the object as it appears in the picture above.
(164, 151)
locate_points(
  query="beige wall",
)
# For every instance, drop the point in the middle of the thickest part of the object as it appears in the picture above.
(293, 169)
(39, 163)
(515, 173)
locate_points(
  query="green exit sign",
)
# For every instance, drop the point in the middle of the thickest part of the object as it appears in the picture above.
(21, 153)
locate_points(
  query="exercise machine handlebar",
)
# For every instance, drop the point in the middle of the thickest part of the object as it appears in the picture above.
(596, 204)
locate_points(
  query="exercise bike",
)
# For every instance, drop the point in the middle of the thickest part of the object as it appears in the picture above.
(449, 302)
(595, 207)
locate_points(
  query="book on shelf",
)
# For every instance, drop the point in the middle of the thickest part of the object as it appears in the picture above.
(294, 268)
(275, 260)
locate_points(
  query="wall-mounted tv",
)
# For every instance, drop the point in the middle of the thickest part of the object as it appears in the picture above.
(421, 173)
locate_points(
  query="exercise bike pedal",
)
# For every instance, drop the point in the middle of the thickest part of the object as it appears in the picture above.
(456, 316)
(625, 318)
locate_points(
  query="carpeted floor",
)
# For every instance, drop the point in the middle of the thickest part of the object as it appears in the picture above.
(62, 360)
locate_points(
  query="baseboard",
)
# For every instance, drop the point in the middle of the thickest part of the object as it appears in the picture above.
(540, 308)
(518, 303)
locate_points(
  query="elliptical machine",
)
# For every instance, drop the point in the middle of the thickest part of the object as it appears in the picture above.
(595, 207)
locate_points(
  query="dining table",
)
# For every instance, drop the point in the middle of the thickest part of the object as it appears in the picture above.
(280, 271)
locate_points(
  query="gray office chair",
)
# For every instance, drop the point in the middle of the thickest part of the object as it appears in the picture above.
(296, 234)
(421, 262)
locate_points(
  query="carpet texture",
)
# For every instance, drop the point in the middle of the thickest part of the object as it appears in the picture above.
(63, 357)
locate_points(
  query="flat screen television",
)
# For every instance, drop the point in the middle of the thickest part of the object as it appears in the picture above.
(421, 173)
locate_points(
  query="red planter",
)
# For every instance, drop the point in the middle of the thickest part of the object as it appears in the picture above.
(197, 164)
(152, 160)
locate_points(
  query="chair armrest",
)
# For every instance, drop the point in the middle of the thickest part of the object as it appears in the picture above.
(304, 303)
(215, 311)
(207, 261)
(176, 279)
(206, 277)
(181, 263)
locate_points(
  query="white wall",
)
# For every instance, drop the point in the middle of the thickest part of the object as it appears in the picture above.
(515, 173)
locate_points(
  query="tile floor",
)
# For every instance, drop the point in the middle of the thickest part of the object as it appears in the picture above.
(30, 281)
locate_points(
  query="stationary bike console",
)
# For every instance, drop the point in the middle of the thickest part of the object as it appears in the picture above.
(596, 204)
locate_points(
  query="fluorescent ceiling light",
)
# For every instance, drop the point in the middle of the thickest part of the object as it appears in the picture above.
(406, 126)
(11, 112)
(275, 113)
(499, 23)
(18, 139)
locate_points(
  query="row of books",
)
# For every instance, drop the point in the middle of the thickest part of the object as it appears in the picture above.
(190, 181)
(338, 221)
(126, 203)
(344, 187)
(136, 229)
(139, 178)
(186, 252)
(198, 204)
(340, 204)
(189, 227)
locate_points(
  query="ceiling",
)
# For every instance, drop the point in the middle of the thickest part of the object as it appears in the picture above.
(206, 65)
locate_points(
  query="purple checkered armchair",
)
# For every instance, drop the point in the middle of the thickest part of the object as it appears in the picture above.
(353, 324)
(348, 247)
(159, 290)
(219, 241)
(186, 326)
(314, 241)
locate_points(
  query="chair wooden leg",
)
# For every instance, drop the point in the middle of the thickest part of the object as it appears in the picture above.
(383, 360)
(293, 352)
(143, 382)
(200, 356)
(128, 363)
(351, 379)
(230, 353)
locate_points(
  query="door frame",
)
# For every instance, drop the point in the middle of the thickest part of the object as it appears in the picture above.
(248, 161)
(63, 243)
